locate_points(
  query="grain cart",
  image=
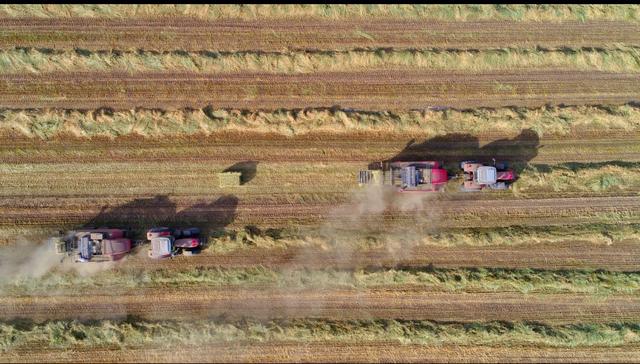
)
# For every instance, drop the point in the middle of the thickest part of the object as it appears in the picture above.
(478, 176)
(422, 176)
(167, 242)
(94, 245)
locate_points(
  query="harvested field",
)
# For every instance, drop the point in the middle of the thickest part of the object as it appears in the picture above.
(622, 256)
(335, 352)
(404, 304)
(362, 90)
(309, 35)
(356, 148)
(490, 213)
(252, 123)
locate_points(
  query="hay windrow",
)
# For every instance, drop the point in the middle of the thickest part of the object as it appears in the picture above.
(49, 123)
(513, 12)
(134, 333)
(37, 61)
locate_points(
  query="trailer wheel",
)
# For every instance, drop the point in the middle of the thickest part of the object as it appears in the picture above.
(191, 252)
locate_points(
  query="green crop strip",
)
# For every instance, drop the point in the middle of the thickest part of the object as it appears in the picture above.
(130, 333)
(36, 61)
(592, 282)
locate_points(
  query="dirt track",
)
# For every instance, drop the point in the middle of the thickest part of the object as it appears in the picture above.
(366, 90)
(199, 303)
(329, 352)
(276, 36)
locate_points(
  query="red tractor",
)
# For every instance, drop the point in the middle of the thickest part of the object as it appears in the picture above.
(167, 242)
(95, 245)
(422, 176)
(478, 176)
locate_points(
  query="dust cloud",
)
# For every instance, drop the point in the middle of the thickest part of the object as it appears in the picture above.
(26, 259)
(371, 212)
(31, 260)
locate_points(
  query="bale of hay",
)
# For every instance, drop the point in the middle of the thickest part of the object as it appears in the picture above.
(229, 179)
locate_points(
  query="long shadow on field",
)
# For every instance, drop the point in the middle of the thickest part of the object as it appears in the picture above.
(247, 170)
(451, 149)
(144, 213)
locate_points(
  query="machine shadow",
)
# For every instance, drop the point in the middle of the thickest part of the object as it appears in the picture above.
(141, 214)
(247, 170)
(451, 149)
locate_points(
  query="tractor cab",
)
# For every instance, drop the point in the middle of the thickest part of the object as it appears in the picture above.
(478, 176)
(486, 175)
(167, 242)
(85, 249)
(162, 247)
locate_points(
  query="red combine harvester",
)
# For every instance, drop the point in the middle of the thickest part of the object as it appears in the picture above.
(478, 176)
(422, 176)
(94, 245)
(167, 242)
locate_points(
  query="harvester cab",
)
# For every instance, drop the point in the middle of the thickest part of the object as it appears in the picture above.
(422, 176)
(167, 242)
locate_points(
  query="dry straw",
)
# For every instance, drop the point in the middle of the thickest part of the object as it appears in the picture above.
(622, 59)
(154, 123)
(511, 12)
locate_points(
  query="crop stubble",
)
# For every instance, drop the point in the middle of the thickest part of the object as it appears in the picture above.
(331, 352)
(409, 304)
(313, 149)
(620, 256)
(277, 36)
(359, 90)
